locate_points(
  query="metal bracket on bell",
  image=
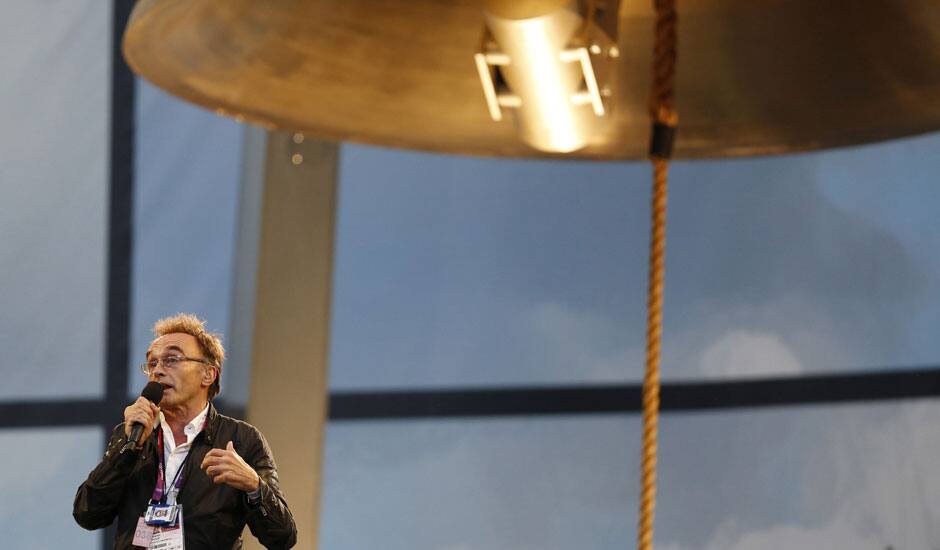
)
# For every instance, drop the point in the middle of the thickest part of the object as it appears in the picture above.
(553, 68)
(494, 99)
(593, 93)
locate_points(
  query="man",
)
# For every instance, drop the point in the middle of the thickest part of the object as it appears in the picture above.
(218, 470)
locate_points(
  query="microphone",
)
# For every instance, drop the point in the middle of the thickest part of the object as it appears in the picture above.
(153, 392)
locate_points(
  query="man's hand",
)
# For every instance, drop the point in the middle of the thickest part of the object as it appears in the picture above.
(225, 466)
(144, 412)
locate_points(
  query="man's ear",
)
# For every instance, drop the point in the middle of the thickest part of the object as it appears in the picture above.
(209, 375)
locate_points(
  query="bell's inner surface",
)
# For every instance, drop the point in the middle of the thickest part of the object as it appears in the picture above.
(754, 77)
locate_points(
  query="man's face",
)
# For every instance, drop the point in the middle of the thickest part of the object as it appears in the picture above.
(186, 381)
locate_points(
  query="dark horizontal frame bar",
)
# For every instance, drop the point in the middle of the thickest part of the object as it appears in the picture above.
(675, 397)
(78, 412)
(62, 413)
(538, 401)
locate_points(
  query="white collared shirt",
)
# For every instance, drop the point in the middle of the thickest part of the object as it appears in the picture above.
(173, 454)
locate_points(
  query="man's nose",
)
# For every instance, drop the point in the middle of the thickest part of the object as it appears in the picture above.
(159, 371)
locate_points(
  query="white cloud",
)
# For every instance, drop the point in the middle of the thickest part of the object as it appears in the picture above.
(836, 535)
(574, 336)
(868, 482)
(518, 484)
(581, 345)
(742, 352)
(588, 345)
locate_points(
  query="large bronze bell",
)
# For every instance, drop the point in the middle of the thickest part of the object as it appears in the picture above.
(754, 77)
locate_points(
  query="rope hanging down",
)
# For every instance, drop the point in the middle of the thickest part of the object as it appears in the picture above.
(664, 122)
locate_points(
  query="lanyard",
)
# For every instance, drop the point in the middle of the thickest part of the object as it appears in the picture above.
(159, 491)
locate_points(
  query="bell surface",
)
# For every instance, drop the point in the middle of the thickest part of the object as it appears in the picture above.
(754, 77)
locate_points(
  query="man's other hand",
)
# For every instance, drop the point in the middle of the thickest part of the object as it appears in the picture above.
(226, 466)
(142, 411)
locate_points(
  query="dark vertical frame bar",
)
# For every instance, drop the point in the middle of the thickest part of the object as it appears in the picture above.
(121, 212)
(120, 228)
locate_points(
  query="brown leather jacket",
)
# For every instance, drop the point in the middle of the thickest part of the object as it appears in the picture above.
(214, 515)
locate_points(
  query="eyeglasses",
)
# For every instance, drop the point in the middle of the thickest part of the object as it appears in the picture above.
(169, 362)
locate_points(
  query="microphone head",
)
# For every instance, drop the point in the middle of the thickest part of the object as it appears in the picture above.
(153, 392)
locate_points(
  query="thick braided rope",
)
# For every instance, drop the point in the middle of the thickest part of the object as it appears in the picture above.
(654, 323)
(663, 113)
(662, 107)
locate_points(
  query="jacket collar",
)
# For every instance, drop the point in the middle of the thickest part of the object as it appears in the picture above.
(209, 430)
(212, 424)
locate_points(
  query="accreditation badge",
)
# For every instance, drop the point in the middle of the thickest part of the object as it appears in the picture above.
(169, 537)
(161, 515)
(143, 534)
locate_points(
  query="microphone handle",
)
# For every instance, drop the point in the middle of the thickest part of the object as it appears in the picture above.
(136, 431)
